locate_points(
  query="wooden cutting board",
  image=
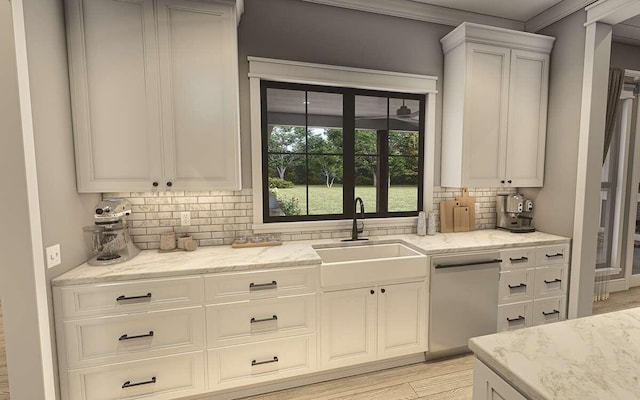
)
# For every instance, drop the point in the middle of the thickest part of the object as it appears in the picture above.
(466, 201)
(461, 219)
(446, 215)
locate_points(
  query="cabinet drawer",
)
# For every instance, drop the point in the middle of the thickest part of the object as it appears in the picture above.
(239, 286)
(549, 310)
(551, 281)
(127, 338)
(158, 379)
(518, 258)
(515, 316)
(124, 297)
(553, 255)
(236, 323)
(516, 286)
(264, 361)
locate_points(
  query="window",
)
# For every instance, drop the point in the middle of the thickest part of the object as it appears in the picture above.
(323, 146)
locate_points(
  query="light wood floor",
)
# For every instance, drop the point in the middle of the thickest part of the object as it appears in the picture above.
(4, 379)
(618, 301)
(448, 379)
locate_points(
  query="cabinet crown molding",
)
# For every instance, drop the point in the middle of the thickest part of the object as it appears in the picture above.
(475, 33)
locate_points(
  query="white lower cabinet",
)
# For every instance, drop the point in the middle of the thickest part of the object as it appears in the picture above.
(550, 310)
(156, 378)
(348, 327)
(487, 385)
(533, 286)
(515, 316)
(126, 338)
(366, 324)
(261, 361)
(402, 319)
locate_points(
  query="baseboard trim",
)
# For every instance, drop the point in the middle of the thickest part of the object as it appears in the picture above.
(308, 379)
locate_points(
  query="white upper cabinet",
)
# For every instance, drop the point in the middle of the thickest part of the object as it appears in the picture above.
(154, 94)
(495, 107)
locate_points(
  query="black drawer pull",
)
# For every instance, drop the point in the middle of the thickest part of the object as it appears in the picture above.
(128, 384)
(517, 286)
(125, 298)
(553, 281)
(255, 321)
(254, 362)
(127, 337)
(263, 286)
(520, 318)
(554, 255)
(550, 313)
(518, 259)
(494, 261)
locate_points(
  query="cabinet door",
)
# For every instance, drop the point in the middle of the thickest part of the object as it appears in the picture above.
(402, 316)
(114, 90)
(527, 118)
(487, 385)
(348, 327)
(485, 115)
(199, 75)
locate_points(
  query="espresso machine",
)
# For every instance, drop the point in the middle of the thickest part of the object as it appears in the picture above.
(109, 236)
(513, 213)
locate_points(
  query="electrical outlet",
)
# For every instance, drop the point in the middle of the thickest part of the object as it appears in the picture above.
(477, 208)
(53, 255)
(185, 218)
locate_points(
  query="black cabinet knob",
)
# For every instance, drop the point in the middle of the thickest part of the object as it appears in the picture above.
(372, 291)
(155, 184)
(169, 184)
(509, 181)
(502, 181)
(383, 290)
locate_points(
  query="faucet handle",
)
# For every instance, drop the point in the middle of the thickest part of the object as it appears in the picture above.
(361, 228)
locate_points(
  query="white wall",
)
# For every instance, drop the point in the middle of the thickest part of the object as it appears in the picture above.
(300, 31)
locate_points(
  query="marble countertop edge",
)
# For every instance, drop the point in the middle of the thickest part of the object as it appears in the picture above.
(151, 264)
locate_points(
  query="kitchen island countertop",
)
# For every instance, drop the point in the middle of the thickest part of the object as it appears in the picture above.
(216, 259)
(594, 357)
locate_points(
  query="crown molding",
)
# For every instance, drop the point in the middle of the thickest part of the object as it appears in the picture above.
(555, 14)
(612, 11)
(333, 75)
(422, 12)
(475, 33)
(628, 34)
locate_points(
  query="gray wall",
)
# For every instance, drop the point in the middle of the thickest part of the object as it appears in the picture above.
(17, 280)
(625, 56)
(300, 31)
(555, 202)
(63, 211)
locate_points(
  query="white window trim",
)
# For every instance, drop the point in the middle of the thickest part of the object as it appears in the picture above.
(331, 75)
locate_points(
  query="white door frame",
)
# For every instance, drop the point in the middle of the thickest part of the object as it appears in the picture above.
(632, 195)
(600, 18)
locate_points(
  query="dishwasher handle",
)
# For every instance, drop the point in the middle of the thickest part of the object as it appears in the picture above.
(468, 264)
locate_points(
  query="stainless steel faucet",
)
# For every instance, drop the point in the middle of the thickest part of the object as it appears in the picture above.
(355, 230)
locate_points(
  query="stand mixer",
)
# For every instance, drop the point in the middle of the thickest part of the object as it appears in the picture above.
(110, 239)
(513, 213)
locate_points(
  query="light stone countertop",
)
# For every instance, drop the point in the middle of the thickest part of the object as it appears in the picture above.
(215, 259)
(594, 357)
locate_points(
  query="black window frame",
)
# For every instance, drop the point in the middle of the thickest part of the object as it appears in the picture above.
(348, 151)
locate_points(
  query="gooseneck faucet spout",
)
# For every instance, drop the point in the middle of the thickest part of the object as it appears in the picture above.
(355, 230)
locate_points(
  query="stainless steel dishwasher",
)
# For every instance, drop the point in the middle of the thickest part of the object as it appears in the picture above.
(463, 299)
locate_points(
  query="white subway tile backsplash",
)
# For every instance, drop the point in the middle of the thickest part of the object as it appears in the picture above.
(218, 217)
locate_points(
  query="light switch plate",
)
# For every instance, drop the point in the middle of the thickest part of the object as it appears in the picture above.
(53, 255)
(477, 208)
